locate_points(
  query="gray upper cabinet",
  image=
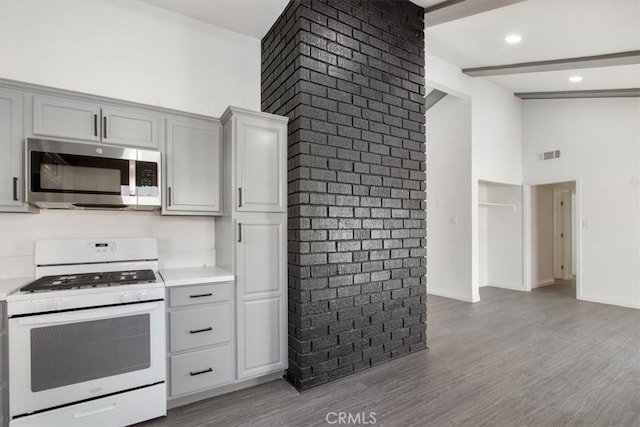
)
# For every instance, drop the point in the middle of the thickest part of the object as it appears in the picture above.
(192, 165)
(11, 177)
(129, 127)
(75, 119)
(66, 118)
(261, 146)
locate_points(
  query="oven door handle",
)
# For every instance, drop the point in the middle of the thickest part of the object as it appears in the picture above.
(84, 315)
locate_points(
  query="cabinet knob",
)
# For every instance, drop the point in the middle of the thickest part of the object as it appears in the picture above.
(239, 197)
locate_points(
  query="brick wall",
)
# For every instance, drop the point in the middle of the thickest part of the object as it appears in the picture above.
(350, 76)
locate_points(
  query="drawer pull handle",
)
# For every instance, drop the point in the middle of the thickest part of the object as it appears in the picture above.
(15, 188)
(197, 331)
(201, 295)
(193, 374)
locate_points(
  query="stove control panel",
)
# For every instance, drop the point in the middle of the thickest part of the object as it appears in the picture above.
(35, 303)
(135, 296)
(102, 246)
(50, 304)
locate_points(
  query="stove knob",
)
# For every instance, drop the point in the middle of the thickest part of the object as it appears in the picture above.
(125, 297)
(141, 295)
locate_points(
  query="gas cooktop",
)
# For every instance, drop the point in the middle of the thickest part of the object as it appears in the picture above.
(90, 280)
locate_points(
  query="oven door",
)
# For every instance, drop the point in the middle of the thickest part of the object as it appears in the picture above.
(61, 358)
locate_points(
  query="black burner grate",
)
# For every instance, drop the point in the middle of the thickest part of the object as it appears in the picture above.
(90, 280)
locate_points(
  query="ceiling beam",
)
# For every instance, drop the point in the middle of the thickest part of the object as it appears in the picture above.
(432, 98)
(450, 10)
(608, 60)
(567, 94)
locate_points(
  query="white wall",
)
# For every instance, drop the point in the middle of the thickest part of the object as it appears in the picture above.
(600, 144)
(496, 133)
(496, 121)
(129, 50)
(496, 140)
(449, 199)
(182, 242)
(542, 235)
(134, 51)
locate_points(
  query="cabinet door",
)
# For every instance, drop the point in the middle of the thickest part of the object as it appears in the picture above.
(11, 184)
(193, 166)
(66, 118)
(129, 127)
(261, 165)
(261, 286)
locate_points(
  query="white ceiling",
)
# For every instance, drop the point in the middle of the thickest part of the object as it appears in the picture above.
(249, 17)
(620, 77)
(550, 29)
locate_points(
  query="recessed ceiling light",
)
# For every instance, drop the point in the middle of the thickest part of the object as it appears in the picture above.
(575, 79)
(513, 39)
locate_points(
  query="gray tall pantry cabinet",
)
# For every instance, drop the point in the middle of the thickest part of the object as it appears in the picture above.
(251, 236)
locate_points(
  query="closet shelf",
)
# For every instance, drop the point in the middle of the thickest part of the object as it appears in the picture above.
(497, 205)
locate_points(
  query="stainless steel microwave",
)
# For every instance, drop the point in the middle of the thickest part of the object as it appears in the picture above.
(82, 176)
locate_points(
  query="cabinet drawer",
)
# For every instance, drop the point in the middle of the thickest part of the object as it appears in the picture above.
(200, 370)
(198, 327)
(199, 294)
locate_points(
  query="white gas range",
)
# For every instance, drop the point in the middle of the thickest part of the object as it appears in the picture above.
(87, 337)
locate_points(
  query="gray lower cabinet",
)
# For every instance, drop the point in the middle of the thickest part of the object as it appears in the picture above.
(192, 165)
(11, 164)
(68, 118)
(200, 338)
(261, 278)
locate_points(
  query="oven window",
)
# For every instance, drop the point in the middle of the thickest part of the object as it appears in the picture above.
(77, 352)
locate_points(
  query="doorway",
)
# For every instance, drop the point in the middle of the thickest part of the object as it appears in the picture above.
(553, 237)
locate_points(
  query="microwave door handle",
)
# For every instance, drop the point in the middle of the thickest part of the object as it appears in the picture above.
(132, 178)
(85, 315)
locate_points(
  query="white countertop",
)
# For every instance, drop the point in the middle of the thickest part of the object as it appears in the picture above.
(194, 276)
(9, 285)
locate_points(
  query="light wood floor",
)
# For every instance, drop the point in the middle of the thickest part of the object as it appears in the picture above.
(514, 359)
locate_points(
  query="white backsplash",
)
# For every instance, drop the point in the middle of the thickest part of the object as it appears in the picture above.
(182, 241)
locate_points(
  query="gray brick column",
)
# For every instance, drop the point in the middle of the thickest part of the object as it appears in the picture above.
(350, 76)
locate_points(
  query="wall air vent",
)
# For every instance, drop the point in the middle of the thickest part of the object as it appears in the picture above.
(549, 155)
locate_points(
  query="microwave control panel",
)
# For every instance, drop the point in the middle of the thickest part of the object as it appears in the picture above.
(146, 174)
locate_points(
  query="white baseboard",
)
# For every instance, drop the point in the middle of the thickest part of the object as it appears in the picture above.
(506, 285)
(622, 302)
(450, 294)
(544, 282)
